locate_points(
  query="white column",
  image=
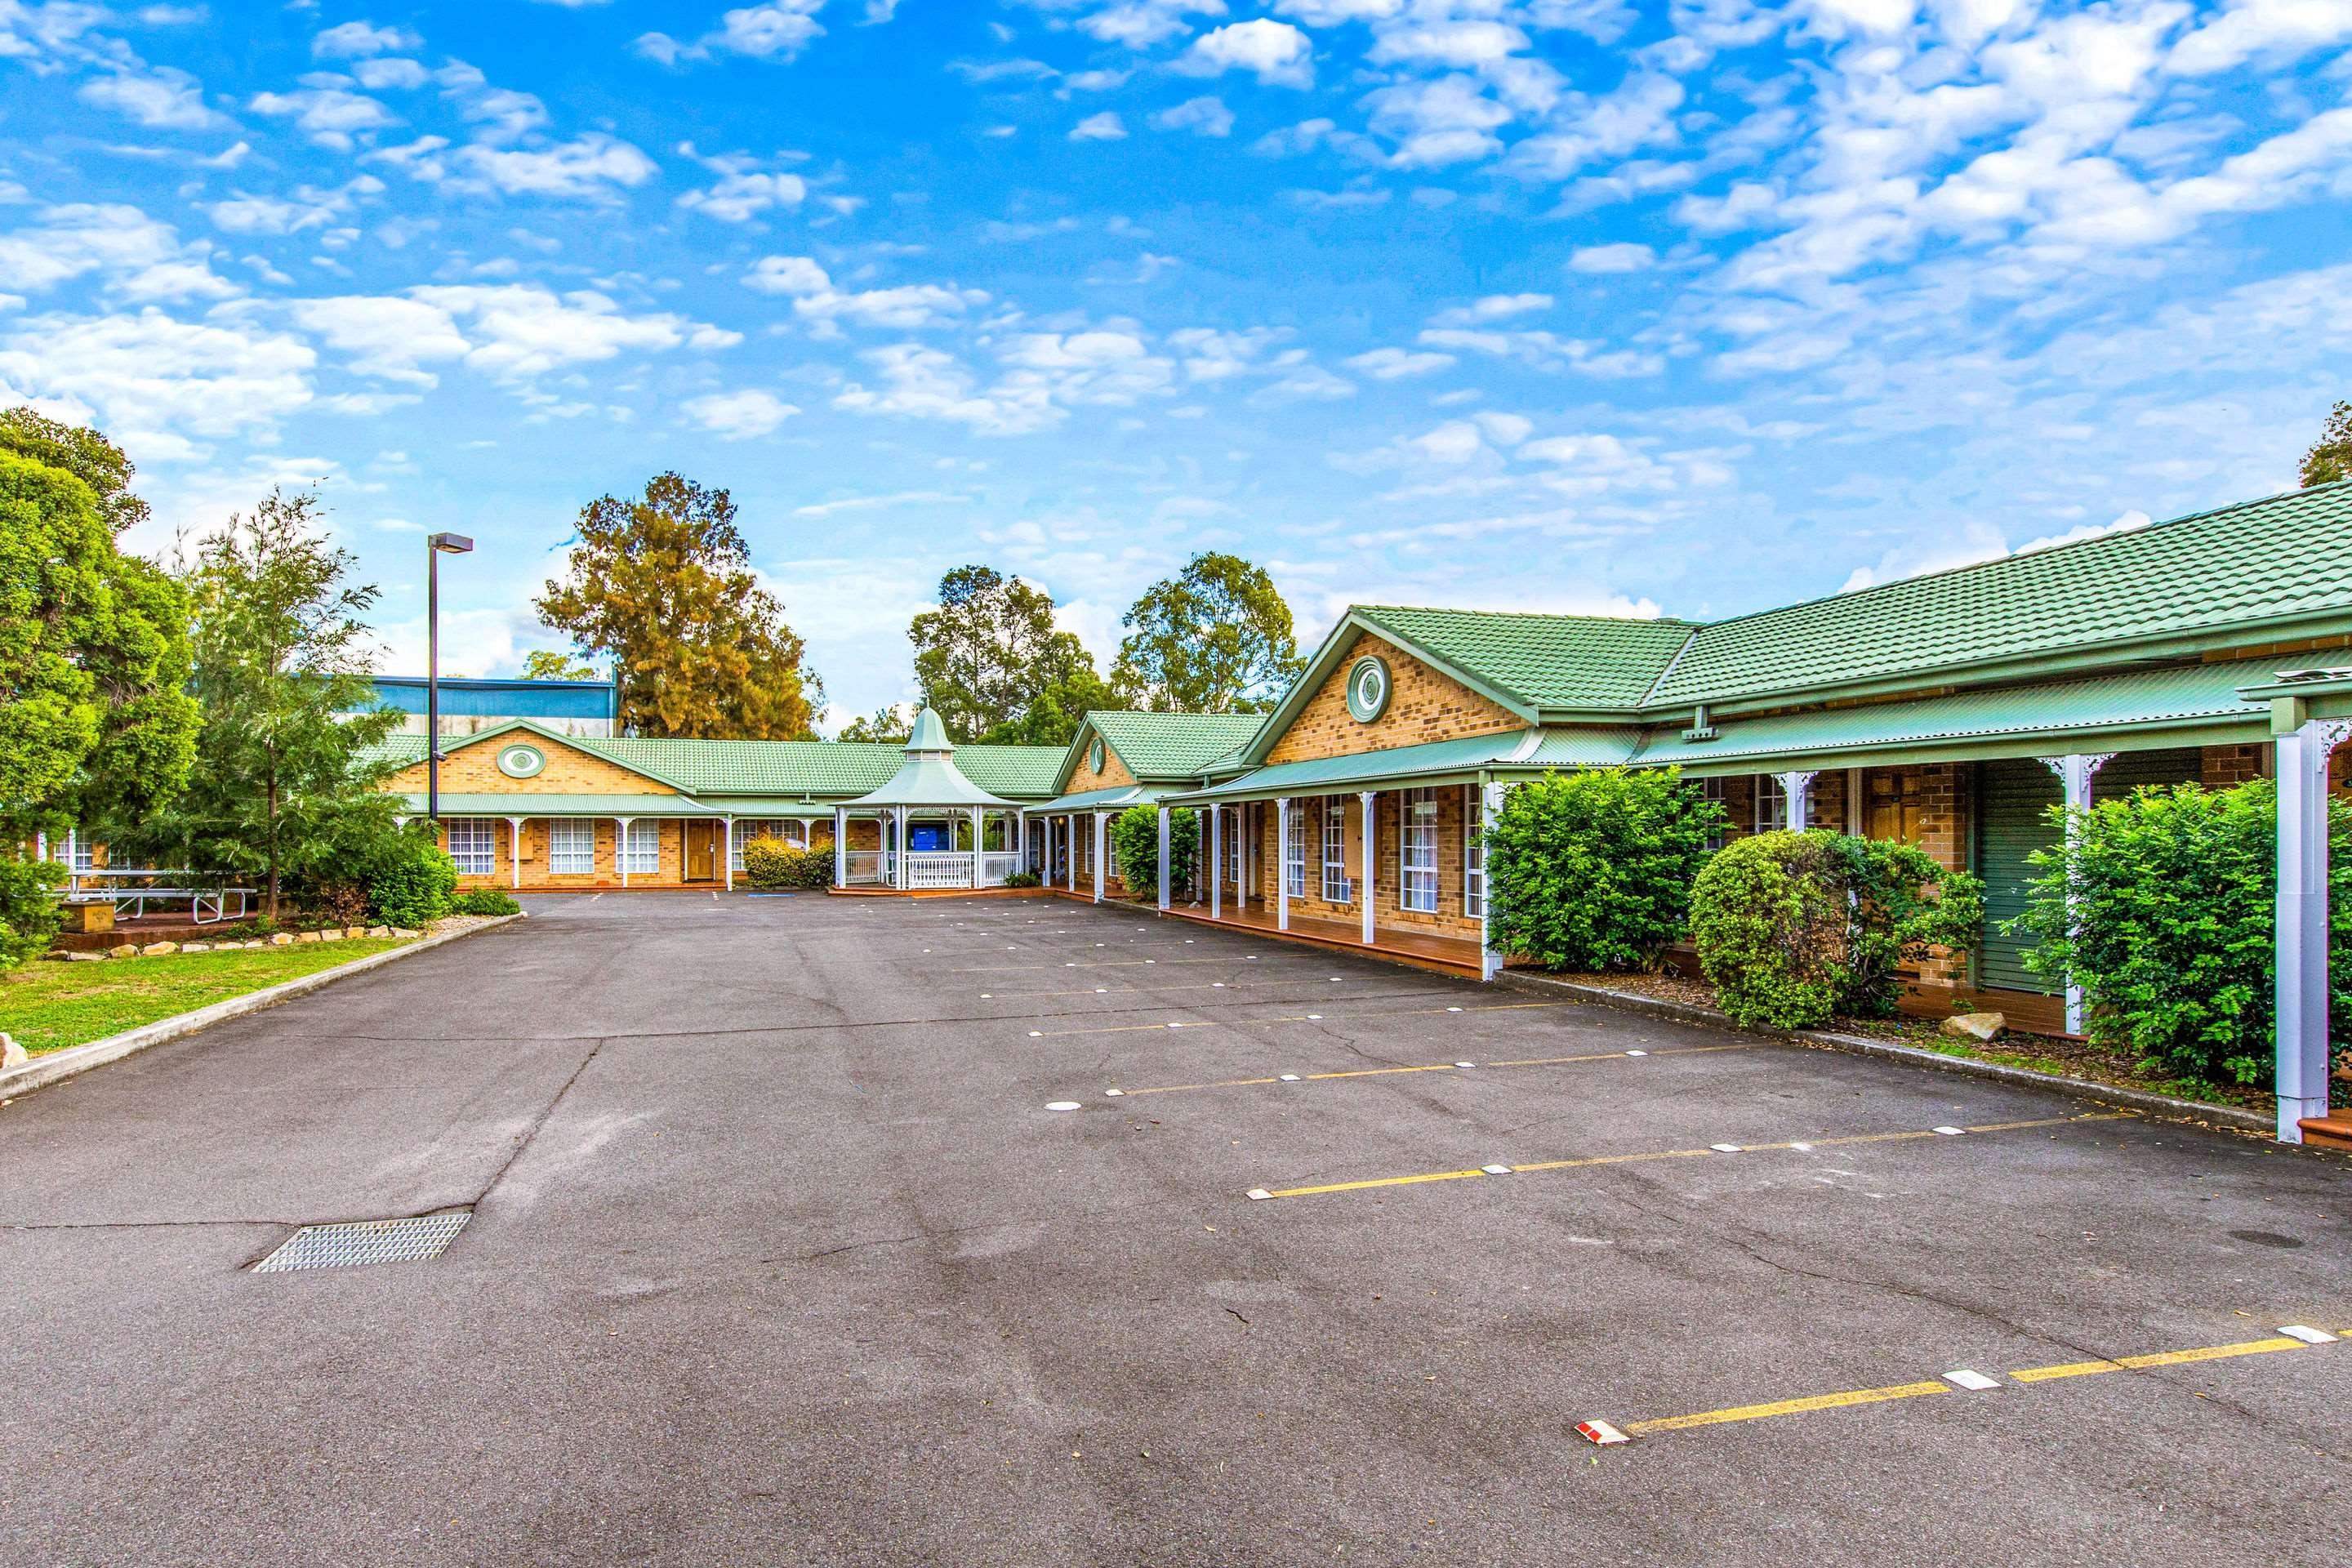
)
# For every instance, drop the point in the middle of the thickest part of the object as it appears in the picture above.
(727, 848)
(976, 876)
(621, 848)
(1490, 963)
(1282, 864)
(1100, 869)
(1854, 803)
(1369, 890)
(1799, 788)
(1242, 855)
(1070, 850)
(2302, 934)
(1164, 857)
(2075, 772)
(1216, 862)
(514, 847)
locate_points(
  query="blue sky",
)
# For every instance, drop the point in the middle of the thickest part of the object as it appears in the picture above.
(1533, 304)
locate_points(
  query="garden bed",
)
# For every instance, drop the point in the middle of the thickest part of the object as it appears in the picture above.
(2036, 1053)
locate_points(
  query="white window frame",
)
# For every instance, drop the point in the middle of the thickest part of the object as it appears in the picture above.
(1335, 890)
(473, 845)
(76, 853)
(1473, 856)
(1417, 875)
(571, 847)
(1294, 859)
(1771, 805)
(641, 855)
(1713, 790)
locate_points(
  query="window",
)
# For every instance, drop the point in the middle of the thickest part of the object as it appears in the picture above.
(571, 847)
(795, 834)
(75, 852)
(1473, 855)
(1294, 857)
(1713, 790)
(1334, 851)
(1417, 851)
(1232, 847)
(473, 843)
(644, 846)
(1771, 805)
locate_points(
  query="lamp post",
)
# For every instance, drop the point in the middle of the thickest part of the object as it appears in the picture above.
(435, 546)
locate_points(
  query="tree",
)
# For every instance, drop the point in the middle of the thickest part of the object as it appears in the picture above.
(664, 587)
(977, 656)
(1214, 638)
(549, 664)
(1135, 848)
(85, 454)
(890, 724)
(2330, 457)
(1056, 711)
(280, 790)
(95, 722)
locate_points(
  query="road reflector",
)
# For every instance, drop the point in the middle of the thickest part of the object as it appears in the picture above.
(1951, 1131)
(1314, 1018)
(1725, 1148)
(1601, 1432)
(1114, 1093)
(1061, 1105)
(1803, 1148)
(1036, 1034)
(1259, 1194)
(2308, 1334)
(1454, 1009)
(1497, 1170)
(1961, 1377)
(1637, 1053)
(1466, 1064)
(1290, 1077)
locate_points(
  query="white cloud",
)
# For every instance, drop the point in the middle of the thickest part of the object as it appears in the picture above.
(1623, 256)
(739, 416)
(1278, 54)
(1491, 308)
(743, 192)
(521, 331)
(356, 40)
(1332, 13)
(1546, 351)
(778, 30)
(1396, 364)
(921, 383)
(1103, 127)
(330, 114)
(1138, 24)
(135, 257)
(160, 96)
(587, 167)
(158, 385)
(2277, 30)
(787, 275)
(1446, 120)
(398, 75)
(817, 302)
(384, 335)
(880, 502)
(309, 207)
(1207, 116)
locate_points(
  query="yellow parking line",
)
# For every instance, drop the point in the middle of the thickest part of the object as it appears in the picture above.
(1606, 1055)
(1799, 1145)
(2162, 1358)
(1786, 1408)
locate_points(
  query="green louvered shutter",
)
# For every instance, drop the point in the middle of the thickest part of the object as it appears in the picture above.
(2013, 797)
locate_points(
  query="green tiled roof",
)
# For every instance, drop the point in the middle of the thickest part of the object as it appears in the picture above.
(455, 804)
(1102, 799)
(1161, 746)
(2261, 563)
(1368, 770)
(1542, 661)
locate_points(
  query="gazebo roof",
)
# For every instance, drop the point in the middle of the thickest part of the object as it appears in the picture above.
(928, 776)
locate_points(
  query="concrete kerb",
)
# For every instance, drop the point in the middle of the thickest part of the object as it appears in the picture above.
(2227, 1118)
(72, 1062)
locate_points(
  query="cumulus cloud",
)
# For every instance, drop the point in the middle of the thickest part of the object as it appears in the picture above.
(1276, 53)
(162, 386)
(1622, 257)
(1206, 116)
(156, 96)
(739, 416)
(326, 110)
(743, 190)
(589, 167)
(134, 256)
(1396, 364)
(778, 30)
(1104, 127)
(355, 40)
(823, 308)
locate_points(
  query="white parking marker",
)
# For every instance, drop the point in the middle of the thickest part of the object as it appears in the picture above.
(1803, 1148)
(1454, 1009)
(1258, 1194)
(1466, 1064)
(1601, 1432)
(1497, 1170)
(1114, 1093)
(1637, 1053)
(1290, 1077)
(1061, 1105)
(1952, 1132)
(1314, 1018)
(1975, 1382)
(2308, 1334)
(988, 996)
(1102, 990)
(1036, 1034)
(1725, 1148)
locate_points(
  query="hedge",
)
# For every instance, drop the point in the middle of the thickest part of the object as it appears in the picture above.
(1592, 869)
(1135, 848)
(771, 864)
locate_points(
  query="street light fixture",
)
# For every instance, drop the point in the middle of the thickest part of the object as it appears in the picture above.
(435, 546)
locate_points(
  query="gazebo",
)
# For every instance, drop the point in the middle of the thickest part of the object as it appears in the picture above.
(926, 809)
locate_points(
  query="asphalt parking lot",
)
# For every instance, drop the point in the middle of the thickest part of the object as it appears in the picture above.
(779, 1255)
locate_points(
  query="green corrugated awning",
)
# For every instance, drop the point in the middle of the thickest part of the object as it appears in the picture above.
(1119, 795)
(454, 804)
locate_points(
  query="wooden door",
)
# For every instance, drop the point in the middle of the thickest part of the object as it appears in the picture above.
(701, 851)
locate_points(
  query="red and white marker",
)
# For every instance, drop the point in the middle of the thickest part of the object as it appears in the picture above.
(1601, 1432)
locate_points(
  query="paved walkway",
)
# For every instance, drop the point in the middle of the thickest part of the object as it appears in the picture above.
(779, 1257)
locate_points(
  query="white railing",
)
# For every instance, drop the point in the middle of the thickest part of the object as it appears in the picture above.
(865, 868)
(995, 865)
(940, 869)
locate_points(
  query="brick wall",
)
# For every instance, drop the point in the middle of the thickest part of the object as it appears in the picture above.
(1423, 706)
(472, 768)
(607, 874)
(1447, 919)
(1110, 775)
(2226, 767)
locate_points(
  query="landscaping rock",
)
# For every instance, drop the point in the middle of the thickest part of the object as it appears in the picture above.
(13, 1055)
(355, 932)
(281, 939)
(378, 931)
(195, 947)
(405, 934)
(128, 950)
(158, 949)
(1978, 1027)
(83, 957)
(306, 936)
(330, 936)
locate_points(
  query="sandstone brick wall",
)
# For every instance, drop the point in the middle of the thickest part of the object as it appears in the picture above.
(1447, 919)
(1423, 706)
(471, 767)
(607, 874)
(1110, 775)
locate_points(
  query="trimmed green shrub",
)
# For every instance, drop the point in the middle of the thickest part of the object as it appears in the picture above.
(771, 864)
(1592, 869)
(1022, 879)
(486, 902)
(1793, 929)
(413, 881)
(1135, 848)
(28, 908)
(2173, 934)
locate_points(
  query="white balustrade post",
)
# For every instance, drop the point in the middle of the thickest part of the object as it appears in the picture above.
(1490, 963)
(1163, 859)
(727, 848)
(840, 848)
(514, 849)
(2302, 922)
(1282, 864)
(1216, 862)
(2075, 772)
(621, 849)
(1371, 863)
(1070, 849)
(978, 879)
(1242, 855)
(1101, 870)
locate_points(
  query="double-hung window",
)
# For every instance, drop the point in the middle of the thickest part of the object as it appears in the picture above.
(1713, 790)
(1473, 855)
(642, 856)
(1771, 805)
(473, 843)
(1334, 851)
(571, 847)
(1417, 851)
(1294, 852)
(75, 852)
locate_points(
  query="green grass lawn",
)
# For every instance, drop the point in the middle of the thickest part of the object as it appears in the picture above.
(48, 1006)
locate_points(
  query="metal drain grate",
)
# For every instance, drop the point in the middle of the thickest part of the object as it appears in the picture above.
(350, 1244)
